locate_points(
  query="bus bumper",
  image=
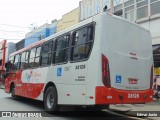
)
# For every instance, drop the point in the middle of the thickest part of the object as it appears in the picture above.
(114, 96)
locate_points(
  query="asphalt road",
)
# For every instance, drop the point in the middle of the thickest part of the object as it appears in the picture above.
(23, 104)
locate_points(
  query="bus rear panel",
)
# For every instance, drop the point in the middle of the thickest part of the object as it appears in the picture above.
(126, 63)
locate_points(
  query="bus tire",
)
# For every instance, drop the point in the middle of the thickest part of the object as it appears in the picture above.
(13, 92)
(50, 100)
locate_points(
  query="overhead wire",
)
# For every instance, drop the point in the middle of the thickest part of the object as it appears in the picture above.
(14, 26)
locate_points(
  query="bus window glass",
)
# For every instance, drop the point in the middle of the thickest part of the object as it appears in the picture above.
(16, 64)
(90, 34)
(61, 49)
(49, 58)
(44, 55)
(50, 47)
(23, 60)
(82, 43)
(78, 52)
(11, 59)
(37, 58)
(50, 53)
(62, 42)
(26, 60)
(31, 58)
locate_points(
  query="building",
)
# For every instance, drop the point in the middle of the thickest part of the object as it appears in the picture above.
(68, 19)
(40, 33)
(20, 44)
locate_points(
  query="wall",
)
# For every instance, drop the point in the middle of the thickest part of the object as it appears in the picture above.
(89, 8)
(20, 44)
(68, 19)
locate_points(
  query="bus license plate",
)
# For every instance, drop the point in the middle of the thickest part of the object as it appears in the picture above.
(130, 95)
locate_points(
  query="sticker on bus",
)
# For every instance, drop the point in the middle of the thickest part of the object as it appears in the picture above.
(118, 79)
(59, 71)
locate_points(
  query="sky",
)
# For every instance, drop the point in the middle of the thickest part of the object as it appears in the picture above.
(17, 17)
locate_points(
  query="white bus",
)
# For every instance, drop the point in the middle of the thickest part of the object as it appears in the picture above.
(100, 61)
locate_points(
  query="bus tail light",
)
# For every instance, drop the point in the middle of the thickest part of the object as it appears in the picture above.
(105, 71)
(151, 78)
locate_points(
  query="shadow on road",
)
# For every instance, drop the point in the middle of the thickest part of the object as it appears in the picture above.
(68, 111)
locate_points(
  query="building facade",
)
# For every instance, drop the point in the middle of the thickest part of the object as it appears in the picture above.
(40, 33)
(68, 19)
(20, 44)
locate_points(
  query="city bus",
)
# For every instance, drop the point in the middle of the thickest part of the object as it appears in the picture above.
(100, 61)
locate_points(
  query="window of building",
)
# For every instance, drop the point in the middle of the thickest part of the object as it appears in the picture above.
(81, 43)
(129, 15)
(142, 9)
(46, 54)
(118, 13)
(129, 10)
(61, 49)
(128, 3)
(155, 7)
(16, 64)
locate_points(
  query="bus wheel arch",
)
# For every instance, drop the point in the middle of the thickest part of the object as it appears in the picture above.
(50, 98)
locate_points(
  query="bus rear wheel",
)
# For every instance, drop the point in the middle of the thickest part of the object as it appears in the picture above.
(50, 100)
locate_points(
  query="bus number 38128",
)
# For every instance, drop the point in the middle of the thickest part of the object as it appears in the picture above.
(133, 95)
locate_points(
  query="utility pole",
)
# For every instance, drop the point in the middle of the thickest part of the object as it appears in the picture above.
(111, 7)
(123, 14)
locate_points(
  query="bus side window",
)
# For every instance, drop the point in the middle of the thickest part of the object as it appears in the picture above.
(16, 64)
(50, 53)
(46, 54)
(37, 57)
(82, 41)
(61, 50)
(23, 60)
(31, 58)
(27, 59)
